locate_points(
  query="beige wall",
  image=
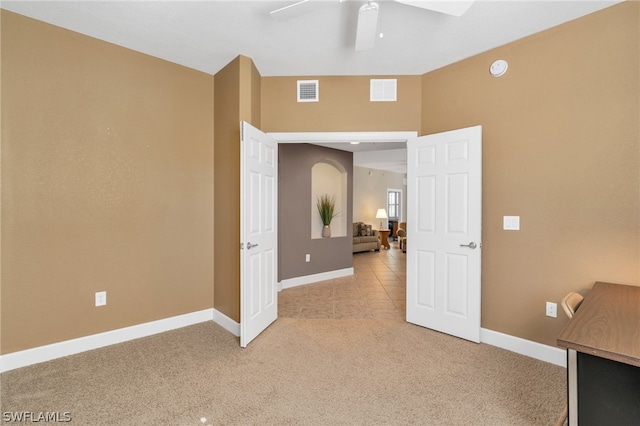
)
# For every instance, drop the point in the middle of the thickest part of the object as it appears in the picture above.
(108, 169)
(237, 88)
(107, 184)
(227, 193)
(370, 193)
(344, 106)
(561, 150)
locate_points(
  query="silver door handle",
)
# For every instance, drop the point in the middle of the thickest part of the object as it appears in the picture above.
(250, 246)
(471, 245)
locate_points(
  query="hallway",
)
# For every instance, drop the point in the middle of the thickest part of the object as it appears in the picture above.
(376, 290)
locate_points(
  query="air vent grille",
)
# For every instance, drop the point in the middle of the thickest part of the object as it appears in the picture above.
(308, 91)
(384, 90)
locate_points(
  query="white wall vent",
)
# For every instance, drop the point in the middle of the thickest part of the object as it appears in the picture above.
(308, 91)
(384, 90)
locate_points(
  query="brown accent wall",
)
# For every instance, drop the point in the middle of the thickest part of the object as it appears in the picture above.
(294, 213)
(561, 149)
(344, 106)
(237, 88)
(107, 184)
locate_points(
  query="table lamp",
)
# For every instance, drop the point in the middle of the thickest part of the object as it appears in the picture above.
(381, 214)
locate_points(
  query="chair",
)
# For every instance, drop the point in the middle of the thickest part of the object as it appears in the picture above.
(394, 229)
(402, 236)
(570, 304)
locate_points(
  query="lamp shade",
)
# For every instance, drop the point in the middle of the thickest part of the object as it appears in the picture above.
(381, 214)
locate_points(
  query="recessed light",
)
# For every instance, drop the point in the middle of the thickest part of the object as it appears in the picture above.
(354, 143)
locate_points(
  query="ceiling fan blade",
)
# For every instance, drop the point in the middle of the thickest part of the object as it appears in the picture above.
(451, 7)
(301, 7)
(367, 26)
(292, 10)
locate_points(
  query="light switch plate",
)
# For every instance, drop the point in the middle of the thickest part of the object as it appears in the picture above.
(511, 223)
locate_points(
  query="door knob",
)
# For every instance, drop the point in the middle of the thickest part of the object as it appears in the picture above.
(250, 246)
(471, 245)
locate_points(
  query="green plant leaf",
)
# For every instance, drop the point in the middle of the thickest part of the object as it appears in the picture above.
(326, 207)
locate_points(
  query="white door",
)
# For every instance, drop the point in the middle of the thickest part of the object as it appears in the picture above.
(444, 219)
(258, 237)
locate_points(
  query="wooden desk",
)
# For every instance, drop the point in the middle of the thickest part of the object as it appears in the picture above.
(603, 356)
(384, 238)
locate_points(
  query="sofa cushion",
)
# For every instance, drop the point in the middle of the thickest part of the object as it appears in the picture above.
(363, 240)
(362, 230)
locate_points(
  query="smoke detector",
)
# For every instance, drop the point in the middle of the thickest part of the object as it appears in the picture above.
(498, 68)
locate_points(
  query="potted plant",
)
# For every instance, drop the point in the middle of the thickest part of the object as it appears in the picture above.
(326, 207)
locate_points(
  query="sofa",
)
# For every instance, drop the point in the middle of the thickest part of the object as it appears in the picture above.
(365, 238)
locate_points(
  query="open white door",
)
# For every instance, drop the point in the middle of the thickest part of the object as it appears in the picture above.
(258, 234)
(444, 220)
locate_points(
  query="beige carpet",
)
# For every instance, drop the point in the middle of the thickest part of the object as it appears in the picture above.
(298, 372)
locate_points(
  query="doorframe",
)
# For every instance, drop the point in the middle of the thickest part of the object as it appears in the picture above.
(344, 137)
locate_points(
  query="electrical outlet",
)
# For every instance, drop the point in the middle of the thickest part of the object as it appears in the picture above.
(307, 258)
(552, 309)
(101, 298)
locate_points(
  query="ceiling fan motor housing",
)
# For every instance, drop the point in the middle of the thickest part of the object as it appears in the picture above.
(367, 26)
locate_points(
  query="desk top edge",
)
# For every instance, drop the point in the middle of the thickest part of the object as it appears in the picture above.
(607, 306)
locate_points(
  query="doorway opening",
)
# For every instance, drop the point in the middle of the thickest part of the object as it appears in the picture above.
(296, 253)
(296, 256)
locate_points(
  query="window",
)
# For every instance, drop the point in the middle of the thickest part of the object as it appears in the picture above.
(394, 202)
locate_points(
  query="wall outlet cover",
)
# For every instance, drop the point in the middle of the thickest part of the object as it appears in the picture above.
(101, 298)
(552, 309)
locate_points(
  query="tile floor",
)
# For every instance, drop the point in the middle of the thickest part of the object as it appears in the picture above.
(376, 290)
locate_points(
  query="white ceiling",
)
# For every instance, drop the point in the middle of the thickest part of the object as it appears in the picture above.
(392, 160)
(390, 156)
(373, 150)
(207, 35)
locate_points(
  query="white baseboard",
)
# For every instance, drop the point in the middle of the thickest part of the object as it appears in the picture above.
(314, 278)
(27, 357)
(227, 323)
(531, 349)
